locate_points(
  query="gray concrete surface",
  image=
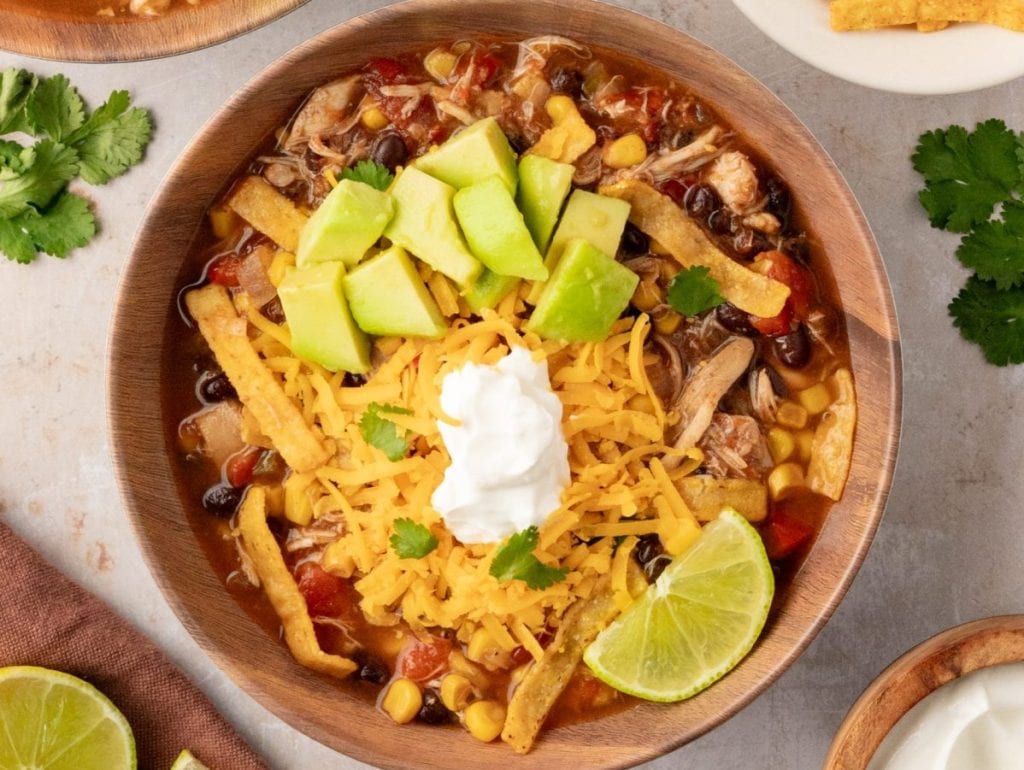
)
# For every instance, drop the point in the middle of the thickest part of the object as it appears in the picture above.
(949, 549)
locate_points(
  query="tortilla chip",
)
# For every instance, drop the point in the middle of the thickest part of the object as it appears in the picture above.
(1002, 13)
(270, 212)
(832, 446)
(659, 217)
(931, 26)
(706, 496)
(871, 14)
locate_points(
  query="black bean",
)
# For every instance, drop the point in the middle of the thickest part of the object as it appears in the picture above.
(222, 500)
(779, 201)
(273, 311)
(778, 384)
(735, 320)
(566, 81)
(647, 549)
(656, 566)
(433, 711)
(351, 380)
(519, 143)
(682, 137)
(634, 241)
(749, 243)
(720, 221)
(701, 201)
(215, 387)
(793, 349)
(388, 149)
(372, 669)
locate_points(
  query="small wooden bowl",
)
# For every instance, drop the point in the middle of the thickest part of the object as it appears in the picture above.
(938, 661)
(144, 443)
(98, 39)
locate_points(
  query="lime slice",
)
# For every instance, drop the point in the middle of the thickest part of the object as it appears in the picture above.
(54, 721)
(698, 620)
(186, 761)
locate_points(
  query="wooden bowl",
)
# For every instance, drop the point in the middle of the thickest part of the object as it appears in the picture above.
(144, 443)
(96, 39)
(938, 661)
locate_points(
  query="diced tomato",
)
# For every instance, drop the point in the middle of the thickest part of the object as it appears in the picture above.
(642, 106)
(224, 270)
(326, 595)
(485, 67)
(777, 326)
(423, 659)
(240, 466)
(783, 534)
(385, 70)
(787, 271)
(676, 189)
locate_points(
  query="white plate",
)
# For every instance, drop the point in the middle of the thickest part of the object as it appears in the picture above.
(964, 57)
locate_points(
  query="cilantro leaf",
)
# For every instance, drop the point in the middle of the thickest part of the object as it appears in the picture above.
(65, 225)
(15, 87)
(53, 166)
(991, 318)
(412, 540)
(15, 242)
(54, 108)
(515, 561)
(369, 172)
(14, 159)
(378, 431)
(693, 290)
(113, 140)
(966, 174)
(995, 249)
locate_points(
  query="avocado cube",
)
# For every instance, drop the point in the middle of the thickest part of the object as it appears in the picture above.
(318, 317)
(495, 230)
(424, 223)
(489, 289)
(586, 294)
(349, 221)
(388, 298)
(477, 152)
(543, 186)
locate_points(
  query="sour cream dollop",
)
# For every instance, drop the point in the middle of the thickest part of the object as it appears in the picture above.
(510, 460)
(974, 722)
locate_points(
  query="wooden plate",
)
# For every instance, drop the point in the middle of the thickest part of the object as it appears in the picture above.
(131, 39)
(921, 671)
(144, 442)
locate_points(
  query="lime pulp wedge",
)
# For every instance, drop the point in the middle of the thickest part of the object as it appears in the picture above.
(698, 620)
(54, 721)
(186, 761)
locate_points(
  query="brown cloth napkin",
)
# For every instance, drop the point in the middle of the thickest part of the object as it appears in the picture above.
(47, 620)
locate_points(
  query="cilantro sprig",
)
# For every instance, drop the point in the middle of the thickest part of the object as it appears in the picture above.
(369, 172)
(37, 211)
(515, 561)
(692, 291)
(378, 431)
(974, 184)
(412, 540)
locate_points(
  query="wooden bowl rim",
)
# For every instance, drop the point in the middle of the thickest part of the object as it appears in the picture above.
(84, 40)
(977, 634)
(782, 642)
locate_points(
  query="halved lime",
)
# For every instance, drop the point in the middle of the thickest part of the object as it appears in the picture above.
(186, 761)
(54, 721)
(698, 620)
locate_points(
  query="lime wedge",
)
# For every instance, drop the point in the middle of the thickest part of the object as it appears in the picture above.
(698, 620)
(186, 761)
(54, 721)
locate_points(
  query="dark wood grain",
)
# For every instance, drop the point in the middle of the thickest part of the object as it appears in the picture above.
(100, 39)
(920, 672)
(142, 442)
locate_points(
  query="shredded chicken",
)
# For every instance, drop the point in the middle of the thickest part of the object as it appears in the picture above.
(763, 221)
(665, 164)
(324, 113)
(734, 178)
(734, 447)
(762, 395)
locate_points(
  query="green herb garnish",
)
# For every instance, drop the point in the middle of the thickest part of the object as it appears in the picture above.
(412, 540)
(515, 561)
(37, 212)
(369, 172)
(692, 291)
(992, 318)
(378, 431)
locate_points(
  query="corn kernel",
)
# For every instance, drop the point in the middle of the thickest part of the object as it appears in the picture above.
(483, 648)
(626, 151)
(815, 399)
(374, 119)
(804, 440)
(456, 692)
(402, 701)
(560, 107)
(647, 296)
(297, 507)
(460, 664)
(668, 323)
(485, 720)
(336, 561)
(222, 221)
(275, 500)
(784, 479)
(791, 415)
(439, 64)
(781, 444)
(279, 266)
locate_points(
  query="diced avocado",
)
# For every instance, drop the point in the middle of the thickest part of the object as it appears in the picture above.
(543, 185)
(388, 298)
(424, 223)
(489, 289)
(598, 219)
(586, 293)
(495, 230)
(475, 153)
(349, 221)
(321, 325)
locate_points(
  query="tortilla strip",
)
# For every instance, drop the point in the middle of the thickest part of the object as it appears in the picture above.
(282, 590)
(270, 212)
(832, 447)
(1002, 13)
(706, 496)
(279, 419)
(665, 222)
(547, 678)
(870, 14)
